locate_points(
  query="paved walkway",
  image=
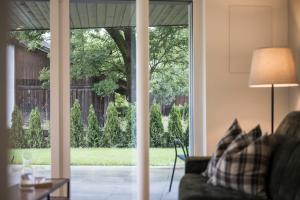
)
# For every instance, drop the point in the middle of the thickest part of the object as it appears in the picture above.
(110, 182)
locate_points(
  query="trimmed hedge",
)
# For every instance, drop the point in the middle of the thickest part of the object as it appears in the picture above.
(111, 135)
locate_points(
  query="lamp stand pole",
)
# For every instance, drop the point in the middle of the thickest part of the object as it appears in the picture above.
(272, 109)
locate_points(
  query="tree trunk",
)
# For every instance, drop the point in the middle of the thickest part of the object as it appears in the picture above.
(123, 39)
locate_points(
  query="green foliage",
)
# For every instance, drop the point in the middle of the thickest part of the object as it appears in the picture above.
(93, 132)
(44, 77)
(175, 126)
(112, 132)
(35, 137)
(77, 133)
(121, 101)
(130, 134)
(184, 111)
(156, 126)
(94, 53)
(101, 52)
(186, 136)
(122, 105)
(17, 139)
(32, 39)
(105, 87)
(169, 63)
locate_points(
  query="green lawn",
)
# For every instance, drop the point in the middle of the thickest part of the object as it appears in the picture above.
(99, 156)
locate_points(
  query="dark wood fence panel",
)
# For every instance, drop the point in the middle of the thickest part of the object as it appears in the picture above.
(29, 95)
(29, 63)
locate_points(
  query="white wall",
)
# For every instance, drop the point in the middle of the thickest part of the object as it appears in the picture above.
(234, 29)
(294, 43)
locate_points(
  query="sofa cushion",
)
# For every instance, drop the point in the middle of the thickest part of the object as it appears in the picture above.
(284, 180)
(290, 126)
(194, 187)
(233, 131)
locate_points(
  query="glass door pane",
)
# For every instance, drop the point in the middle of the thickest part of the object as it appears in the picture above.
(28, 52)
(102, 99)
(169, 94)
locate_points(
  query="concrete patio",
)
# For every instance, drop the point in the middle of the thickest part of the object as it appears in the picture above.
(111, 182)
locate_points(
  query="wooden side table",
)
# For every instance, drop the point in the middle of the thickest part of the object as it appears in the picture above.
(41, 193)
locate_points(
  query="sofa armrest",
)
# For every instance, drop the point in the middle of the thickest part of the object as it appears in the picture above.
(196, 165)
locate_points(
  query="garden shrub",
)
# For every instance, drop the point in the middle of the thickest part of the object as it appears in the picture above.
(167, 139)
(122, 105)
(112, 135)
(130, 134)
(17, 139)
(186, 136)
(44, 77)
(175, 127)
(34, 135)
(156, 126)
(184, 111)
(93, 131)
(77, 133)
(105, 87)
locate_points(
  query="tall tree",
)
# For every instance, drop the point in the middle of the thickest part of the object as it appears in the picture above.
(175, 126)
(112, 135)
(93, 132)
(17, 135)
(77, 133)
(130, 135)
(156, 126)
(34, 133)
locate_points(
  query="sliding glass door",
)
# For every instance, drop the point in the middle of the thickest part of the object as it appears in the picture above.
(28, 110)
(103, 133)
(169, 95)
(94, 83)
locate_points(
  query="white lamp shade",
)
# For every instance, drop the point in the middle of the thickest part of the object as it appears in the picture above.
(273, 66)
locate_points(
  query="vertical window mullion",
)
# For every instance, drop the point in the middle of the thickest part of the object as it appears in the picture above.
(60, 89)
(142, 98)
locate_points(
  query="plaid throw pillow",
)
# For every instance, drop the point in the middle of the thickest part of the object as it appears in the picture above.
(245, 170)
(233, 131)
(244, 140)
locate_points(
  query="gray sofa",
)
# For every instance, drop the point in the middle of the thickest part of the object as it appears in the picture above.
(283, 180)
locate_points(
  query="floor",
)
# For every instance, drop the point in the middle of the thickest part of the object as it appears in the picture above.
(111, 182)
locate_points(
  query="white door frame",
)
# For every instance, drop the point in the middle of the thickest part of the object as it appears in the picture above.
(198, 80)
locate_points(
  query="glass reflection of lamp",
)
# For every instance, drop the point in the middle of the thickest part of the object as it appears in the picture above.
(273, 67)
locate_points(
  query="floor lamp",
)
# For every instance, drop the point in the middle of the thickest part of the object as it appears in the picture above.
(273, 67)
